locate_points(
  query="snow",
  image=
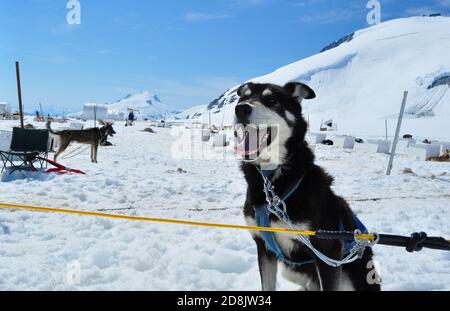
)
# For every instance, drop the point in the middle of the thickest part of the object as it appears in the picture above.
(360, 83)
(141, 176)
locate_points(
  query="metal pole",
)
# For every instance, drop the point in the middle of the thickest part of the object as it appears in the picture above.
(95, 115)
(397, 133)
(386, 127)
(19, 92)
(42, 114)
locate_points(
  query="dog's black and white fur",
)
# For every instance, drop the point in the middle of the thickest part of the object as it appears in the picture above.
(312, 206)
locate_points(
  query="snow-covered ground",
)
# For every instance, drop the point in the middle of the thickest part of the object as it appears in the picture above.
(40, 251)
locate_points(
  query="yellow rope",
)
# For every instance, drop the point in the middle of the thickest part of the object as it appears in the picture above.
(149, 219)
(162, 220)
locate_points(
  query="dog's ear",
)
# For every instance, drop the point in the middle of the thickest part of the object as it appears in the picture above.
(299, 91)
(245, 89)
(101, 122)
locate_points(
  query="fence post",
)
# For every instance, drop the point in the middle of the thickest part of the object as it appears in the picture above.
(397, 133)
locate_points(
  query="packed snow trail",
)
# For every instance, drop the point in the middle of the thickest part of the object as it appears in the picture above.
(140, 177)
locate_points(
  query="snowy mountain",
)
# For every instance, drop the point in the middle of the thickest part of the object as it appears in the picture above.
(360, 79)
(146, 105)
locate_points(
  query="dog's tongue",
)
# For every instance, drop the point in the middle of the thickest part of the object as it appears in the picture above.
(250, 145)
(247, 146)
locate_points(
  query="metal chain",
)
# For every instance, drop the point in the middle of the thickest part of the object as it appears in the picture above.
(273, 205)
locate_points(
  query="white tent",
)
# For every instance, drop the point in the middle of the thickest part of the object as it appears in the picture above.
(94, 111)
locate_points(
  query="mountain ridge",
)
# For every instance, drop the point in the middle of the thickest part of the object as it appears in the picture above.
(360, 79)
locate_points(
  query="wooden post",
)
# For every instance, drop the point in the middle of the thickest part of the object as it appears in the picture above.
(19, 92)
(397, 134)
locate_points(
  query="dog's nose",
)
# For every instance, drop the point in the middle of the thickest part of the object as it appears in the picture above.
(243, 110)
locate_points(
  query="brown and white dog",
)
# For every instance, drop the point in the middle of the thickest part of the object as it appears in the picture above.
(91, 137)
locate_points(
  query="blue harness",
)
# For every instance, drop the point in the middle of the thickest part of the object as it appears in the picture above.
(262, 215)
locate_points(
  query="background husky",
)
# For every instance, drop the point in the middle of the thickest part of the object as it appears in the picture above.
(92, 137)
(312, 206)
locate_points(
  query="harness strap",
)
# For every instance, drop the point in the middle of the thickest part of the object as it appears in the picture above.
(262, 220)
(262, 215)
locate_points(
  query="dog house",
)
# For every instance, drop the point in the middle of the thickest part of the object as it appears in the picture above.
(316, 138)
(94, 111)
(444, 145)
(76, 126)
(424, 152)
(5, 140)
(344, 141)
(378, 146)
(329, 125)
(5, 111)
(116, 116)
(220, 140)
(404, 144)
(206, 135)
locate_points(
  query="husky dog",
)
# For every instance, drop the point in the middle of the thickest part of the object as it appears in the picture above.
(91, 137)
(274, 113)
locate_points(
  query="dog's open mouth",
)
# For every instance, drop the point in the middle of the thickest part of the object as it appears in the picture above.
(252, 139)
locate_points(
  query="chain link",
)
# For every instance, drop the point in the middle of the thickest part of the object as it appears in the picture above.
(273, 206)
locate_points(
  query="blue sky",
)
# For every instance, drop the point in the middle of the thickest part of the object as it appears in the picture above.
(187, 52)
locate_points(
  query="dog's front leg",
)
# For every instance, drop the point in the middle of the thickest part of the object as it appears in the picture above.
(268, 266)
(95, 152)
(92, 153)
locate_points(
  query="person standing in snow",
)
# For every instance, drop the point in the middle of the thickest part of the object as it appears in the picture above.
(130, 118)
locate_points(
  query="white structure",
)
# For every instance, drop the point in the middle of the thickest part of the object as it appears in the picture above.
(424, 152)
(94, 111)
(404, 144)
(5, 140)
(316, 138)
(378, 146)
(206, 135)
(5, 108)
(220, 140)
(445, 145)
(346, 142)
(116, 116)
(76, 126)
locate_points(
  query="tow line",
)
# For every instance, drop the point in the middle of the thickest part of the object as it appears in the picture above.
(416, 242)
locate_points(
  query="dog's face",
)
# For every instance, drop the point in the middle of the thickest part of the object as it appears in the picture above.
(109, 130)
(266, 117)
